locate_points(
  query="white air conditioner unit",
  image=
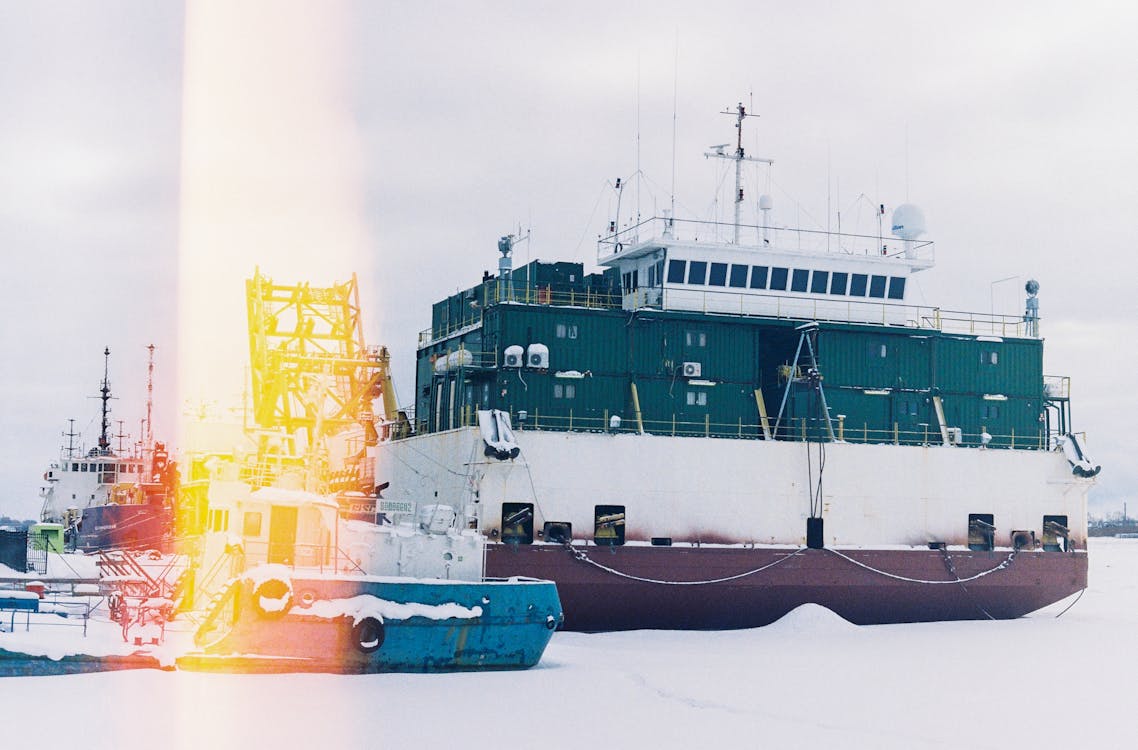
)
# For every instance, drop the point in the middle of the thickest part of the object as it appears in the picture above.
(693, 370)
(513, 356)
(537, 356)
(955, 436)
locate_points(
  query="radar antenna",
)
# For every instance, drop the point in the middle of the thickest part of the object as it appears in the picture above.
(738, 157)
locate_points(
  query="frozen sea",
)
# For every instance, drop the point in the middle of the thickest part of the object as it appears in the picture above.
(811, 680)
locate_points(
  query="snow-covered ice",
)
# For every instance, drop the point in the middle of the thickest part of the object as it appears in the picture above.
(810, 680)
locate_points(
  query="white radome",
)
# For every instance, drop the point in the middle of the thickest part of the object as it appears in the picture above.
(908, 221)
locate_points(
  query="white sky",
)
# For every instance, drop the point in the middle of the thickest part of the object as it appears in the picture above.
(1012, 127)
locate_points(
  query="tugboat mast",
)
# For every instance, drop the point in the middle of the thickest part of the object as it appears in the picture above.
(148, 438)
(738, 157)
(105, 396)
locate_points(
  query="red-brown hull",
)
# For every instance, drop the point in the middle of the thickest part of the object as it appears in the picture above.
(596, 599)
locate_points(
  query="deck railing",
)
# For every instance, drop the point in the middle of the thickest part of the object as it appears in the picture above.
(796, 429)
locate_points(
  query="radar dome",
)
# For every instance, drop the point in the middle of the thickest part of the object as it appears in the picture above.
(908, 221)
(766, 203)
(1031, 287)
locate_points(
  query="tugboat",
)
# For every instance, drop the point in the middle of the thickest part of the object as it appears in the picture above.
(302, 566)
(730, 420)
(108, 497)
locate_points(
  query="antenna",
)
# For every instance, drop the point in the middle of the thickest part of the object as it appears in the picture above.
(120, 435)
(148, 436)
(675, 90)
(738, 157)
(105, 392)
(71, 434)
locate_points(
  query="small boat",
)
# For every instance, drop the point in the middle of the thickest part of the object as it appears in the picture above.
(309, 591)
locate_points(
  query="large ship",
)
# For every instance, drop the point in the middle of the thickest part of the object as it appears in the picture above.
(730, 420)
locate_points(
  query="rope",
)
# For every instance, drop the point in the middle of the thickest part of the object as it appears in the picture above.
(1077, 598)
(580, 555)
(956, 579)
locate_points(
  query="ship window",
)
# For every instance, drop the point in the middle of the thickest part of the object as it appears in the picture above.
(989, 411)
(838, 281)
(896, 287)
(981, 532)
(857, 284)
(738, 275)
(819, 281)
(564, 391)
(877, 350)
(758, 277)
(697, 272)
(219, 520)
(778, 278)
(989, 357)
(560, 330)
(799, 280)
(651, 276)
(677, 269)
(252, 524)
(517, 523)
(718, 275)
(608, 525)
(75, 467)
(1055, 534)
(566, 330)
(907, 407)
(695, 338)
(877, 286)
(697, 398)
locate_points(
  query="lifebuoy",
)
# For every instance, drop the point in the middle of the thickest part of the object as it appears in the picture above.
(367, 635)
(272, 598)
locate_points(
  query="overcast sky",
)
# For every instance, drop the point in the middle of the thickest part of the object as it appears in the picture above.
(450, 124)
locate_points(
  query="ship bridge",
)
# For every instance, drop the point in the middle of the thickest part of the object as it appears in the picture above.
(671, 264)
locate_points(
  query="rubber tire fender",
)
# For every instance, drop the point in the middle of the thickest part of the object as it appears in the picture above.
(368, 635)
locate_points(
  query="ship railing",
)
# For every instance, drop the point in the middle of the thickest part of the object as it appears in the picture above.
(666, 230)
(796, 429)
(1057, 387)
(825, 309)
(524, 292)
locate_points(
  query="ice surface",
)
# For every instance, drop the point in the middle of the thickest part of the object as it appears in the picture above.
(808, 681)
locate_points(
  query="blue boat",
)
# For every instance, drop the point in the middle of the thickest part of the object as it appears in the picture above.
(311, 592)
(271, 621)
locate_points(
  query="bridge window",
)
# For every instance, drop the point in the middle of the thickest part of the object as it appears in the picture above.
(819, 281)
(739, 275)
(799, 280)
(758, 277)
(877, 287)
(778, 279)
(677, 269)
(857, 284)
(718, 276)
(896, 287)
(697, 272)
(838, 282)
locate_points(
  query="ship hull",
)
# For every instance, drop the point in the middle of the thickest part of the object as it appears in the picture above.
(643, 587)
(733, 507)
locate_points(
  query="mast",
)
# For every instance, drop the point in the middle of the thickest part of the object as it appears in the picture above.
(71, 434)
(105, 396)
(148, 436)
(739, 156)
